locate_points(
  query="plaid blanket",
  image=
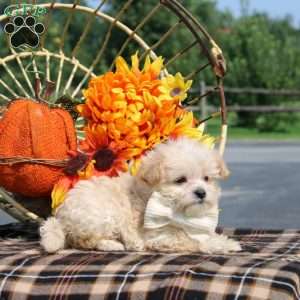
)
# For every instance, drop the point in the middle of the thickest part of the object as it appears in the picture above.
(267, 268)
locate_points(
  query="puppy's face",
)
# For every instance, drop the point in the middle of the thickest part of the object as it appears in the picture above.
(186, 172)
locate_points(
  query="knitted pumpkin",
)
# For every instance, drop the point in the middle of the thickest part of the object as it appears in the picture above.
(33, 130)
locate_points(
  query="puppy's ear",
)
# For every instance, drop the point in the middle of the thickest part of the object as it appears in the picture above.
(222, 169)
(151, 169)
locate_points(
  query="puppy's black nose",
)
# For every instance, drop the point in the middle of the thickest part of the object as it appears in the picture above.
(200, 193)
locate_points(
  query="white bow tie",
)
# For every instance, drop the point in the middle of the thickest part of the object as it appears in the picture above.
(198, 226)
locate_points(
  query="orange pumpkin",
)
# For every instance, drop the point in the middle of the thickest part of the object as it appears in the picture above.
(33, 130)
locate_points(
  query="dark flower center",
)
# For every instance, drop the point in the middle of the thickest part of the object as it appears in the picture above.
(104, 159)
(175, 92)
(76, 164)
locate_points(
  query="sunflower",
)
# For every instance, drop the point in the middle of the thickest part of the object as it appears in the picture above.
(108, 157)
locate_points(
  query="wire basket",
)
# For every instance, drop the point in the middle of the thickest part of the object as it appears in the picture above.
(70, 56)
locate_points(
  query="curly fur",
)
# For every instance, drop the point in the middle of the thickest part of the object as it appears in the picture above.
(107, 213)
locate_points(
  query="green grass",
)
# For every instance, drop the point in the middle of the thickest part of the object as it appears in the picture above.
(235, 132)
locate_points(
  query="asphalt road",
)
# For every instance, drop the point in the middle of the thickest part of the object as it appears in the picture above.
(263, 190)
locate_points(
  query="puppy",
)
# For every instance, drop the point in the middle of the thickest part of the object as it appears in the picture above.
(108, 213)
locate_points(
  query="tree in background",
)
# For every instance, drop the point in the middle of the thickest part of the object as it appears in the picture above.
(158, 25)
(263, 53)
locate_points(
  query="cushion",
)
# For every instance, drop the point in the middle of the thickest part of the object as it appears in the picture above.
(267, 268)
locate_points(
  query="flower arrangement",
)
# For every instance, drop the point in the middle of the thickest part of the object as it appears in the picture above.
(127, 113)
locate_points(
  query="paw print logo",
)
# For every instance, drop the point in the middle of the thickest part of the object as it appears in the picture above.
(24, 32)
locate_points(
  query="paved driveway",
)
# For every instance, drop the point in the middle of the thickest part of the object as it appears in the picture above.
(264, 188)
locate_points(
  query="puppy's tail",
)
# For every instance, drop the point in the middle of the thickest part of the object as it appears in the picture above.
(52, 235)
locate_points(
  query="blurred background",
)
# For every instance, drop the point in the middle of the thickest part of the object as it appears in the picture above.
(261, 43)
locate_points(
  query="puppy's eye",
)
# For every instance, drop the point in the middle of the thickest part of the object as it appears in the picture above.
(206, 178)
(180, 180)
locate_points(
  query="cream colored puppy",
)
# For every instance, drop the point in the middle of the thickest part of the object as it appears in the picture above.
(108, 213)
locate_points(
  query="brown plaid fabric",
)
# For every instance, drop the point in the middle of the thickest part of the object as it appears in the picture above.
(267, 268)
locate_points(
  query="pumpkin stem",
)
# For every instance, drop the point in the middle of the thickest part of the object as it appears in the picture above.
(37, 88)
(50, 85)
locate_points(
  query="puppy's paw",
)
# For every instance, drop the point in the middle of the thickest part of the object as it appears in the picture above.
(220, 244)
(110, 245)
(132, 240)
(232, 245)
(134, 245)
(157, 247)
